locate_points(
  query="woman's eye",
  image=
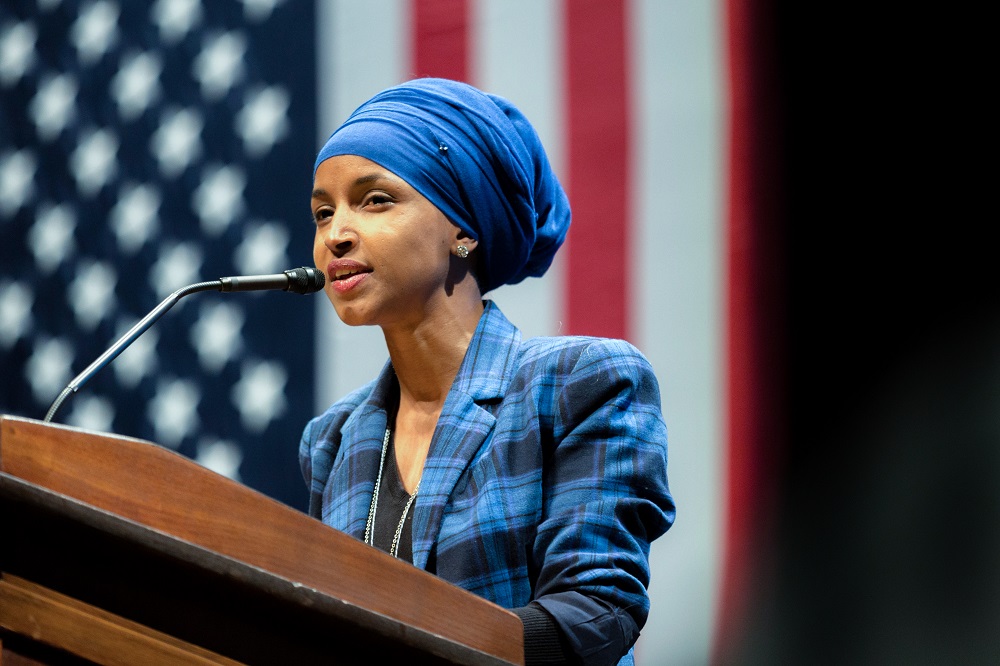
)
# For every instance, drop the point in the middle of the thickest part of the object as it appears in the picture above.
(322, 214)
(378, 200)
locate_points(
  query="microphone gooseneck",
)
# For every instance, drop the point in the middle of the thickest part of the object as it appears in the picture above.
(303, 280)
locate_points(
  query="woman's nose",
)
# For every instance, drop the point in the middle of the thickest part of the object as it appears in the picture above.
(340, 236)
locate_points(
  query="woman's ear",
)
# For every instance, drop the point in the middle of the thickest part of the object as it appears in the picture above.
(464, 263)
(463, 239)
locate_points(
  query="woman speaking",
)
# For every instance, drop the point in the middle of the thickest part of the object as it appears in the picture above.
(529, 472)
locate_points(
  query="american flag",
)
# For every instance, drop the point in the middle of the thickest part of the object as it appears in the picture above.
(144, 147)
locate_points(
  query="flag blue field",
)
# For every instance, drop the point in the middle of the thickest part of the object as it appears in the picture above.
(145, 146)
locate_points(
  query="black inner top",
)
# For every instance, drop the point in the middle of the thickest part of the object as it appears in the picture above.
(392, 499)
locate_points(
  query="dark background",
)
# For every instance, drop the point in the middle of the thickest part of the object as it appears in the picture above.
(881, 264)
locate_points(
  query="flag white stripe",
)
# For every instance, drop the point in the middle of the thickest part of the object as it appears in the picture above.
(678, 306)
(516, 53)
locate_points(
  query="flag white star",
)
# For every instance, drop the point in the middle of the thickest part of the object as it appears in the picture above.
(259, 10)
(138, 360)
(134, 218)
(54, 105)
(177, 141)
(262, 249)
(221, 456)
(220, 64)
(16, 300)
(17, 176)
(17, 51)
(219, 198)
(92, 413)
(173, 411)
(95, 30)
(137, 84)
(175, 18)
(216, 335)
(263, 120)
(91, 295)
(177, 266)
(260, 394)
(48, 369)
(51, 236)
(94, 162)
(46, 5)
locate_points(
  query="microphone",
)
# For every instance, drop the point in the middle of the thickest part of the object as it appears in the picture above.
(305, 280)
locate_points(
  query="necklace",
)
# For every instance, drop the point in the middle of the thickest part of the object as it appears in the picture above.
(370, 525)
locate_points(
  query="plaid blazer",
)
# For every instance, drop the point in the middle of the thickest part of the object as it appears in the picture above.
(546, 479)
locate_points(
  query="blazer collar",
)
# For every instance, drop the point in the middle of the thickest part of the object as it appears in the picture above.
(485, 372)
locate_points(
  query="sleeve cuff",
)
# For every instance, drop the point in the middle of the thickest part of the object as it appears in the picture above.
(544, 644)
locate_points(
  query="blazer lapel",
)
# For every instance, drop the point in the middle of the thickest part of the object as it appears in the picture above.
(465, 424)
(356, 467)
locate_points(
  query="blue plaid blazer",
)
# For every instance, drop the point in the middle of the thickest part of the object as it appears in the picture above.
(546, 479)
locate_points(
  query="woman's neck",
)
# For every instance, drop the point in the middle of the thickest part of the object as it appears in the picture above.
(426, 357)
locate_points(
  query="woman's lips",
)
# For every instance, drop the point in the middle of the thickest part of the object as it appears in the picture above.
(345, 284)
(346, 274)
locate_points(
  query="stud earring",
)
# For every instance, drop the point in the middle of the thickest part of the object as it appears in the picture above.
(462, 251)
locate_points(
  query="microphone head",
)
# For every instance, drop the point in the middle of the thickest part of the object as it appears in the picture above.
(305, 280)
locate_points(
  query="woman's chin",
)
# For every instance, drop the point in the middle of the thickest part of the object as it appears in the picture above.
(351, 314)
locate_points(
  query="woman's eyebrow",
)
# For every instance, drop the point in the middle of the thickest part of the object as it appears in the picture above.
(372, 177)
(320, 193)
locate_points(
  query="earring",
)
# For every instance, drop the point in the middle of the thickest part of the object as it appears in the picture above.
(462, 251)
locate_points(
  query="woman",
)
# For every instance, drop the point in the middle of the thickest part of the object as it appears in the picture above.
(532, 473)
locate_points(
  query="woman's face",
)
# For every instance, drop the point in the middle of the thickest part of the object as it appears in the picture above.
(385, 249)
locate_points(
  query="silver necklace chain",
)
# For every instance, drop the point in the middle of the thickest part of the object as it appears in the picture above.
(370, 525)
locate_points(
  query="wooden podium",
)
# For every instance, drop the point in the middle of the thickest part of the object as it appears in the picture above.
(117, 551)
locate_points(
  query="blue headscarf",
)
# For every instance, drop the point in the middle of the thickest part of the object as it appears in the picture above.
(475, 157)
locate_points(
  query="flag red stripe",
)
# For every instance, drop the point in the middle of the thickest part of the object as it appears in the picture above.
(440, 44)
(754, 312)
(598, 158)
(739, 307)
